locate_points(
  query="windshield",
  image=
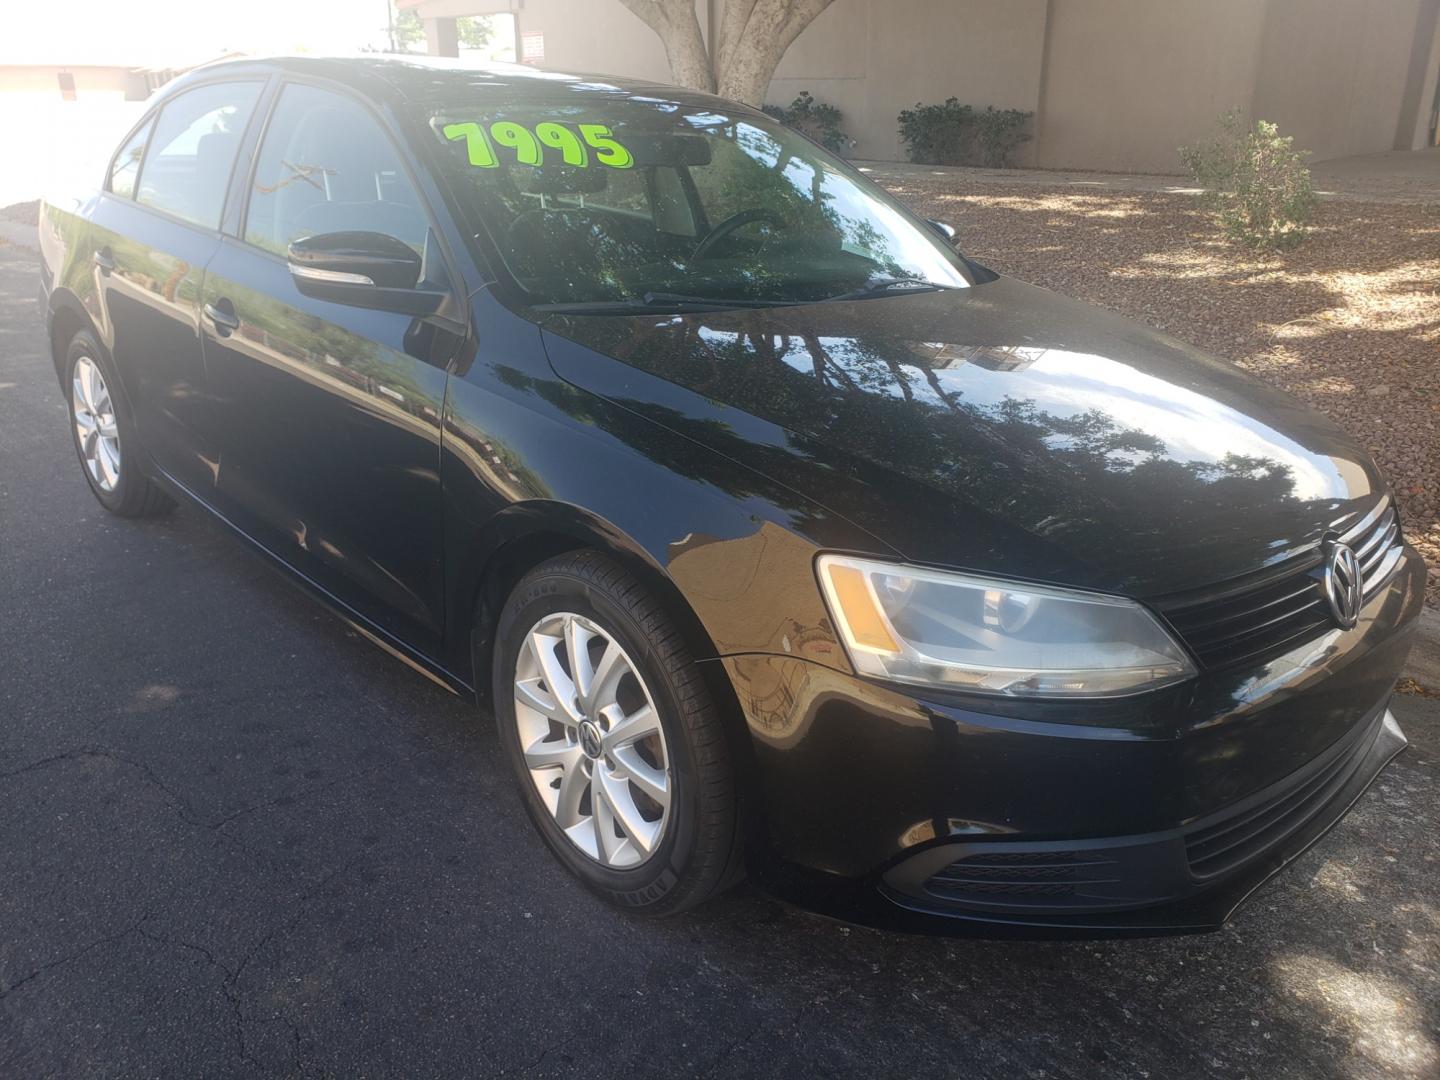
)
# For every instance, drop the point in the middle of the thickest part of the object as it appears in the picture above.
(643, 201)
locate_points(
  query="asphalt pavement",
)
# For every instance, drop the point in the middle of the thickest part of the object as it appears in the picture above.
(238, 840)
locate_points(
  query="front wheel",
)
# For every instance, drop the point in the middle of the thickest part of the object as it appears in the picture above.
(614, 737)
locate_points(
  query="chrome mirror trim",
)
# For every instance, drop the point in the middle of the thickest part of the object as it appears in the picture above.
(334, 277)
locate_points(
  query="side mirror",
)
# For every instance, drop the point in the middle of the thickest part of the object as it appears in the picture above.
(947, 231)
(362, 269)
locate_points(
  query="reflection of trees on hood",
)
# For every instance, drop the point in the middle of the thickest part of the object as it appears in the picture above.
(1051, 473)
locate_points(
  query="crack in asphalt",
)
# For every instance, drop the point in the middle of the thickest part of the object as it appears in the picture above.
(526, 1070)
(287, 800)
(793, 1021)
(176, 802)
(6, 991)
(172, 798)
(299, 909)
(235, 998)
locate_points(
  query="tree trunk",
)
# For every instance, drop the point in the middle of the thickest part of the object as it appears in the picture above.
(752, 38)
(679, 30)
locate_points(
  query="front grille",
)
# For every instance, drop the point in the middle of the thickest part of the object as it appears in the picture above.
(1243, 832)
(1016, 875)
(1264, 614)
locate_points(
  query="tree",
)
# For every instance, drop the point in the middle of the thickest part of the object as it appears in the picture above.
(407, 31)
(475, 31)
(749, 42)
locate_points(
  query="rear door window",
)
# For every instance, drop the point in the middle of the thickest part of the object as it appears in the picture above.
(327, 166)
(126, 166)
(187, 168)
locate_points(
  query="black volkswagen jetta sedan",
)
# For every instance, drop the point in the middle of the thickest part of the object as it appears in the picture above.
(777, 535)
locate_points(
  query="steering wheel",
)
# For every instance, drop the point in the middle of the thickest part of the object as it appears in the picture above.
(527, 219)
(729, 225)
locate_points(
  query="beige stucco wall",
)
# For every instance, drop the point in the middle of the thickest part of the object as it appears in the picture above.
(41, 81)
(1425, 96)
(596, 36)
(1336, 83)
(1114, 84)
(599, 36)
(1420, 135)
(1127, 82)
(873, 59)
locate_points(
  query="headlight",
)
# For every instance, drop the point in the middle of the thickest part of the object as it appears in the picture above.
(995, 637)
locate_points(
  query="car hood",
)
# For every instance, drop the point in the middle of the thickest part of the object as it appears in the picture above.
(1000, 428)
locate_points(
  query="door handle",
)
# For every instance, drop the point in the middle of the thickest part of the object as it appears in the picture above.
(224, 319)
(104, 260)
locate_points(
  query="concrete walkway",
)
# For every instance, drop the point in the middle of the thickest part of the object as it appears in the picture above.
(1399, 176)
(1396, 176)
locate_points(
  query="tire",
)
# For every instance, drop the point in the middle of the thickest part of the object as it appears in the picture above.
(695, 851)
(111, 466)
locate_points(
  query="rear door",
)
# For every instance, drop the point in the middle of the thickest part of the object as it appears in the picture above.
(155, 230)
(331, 413)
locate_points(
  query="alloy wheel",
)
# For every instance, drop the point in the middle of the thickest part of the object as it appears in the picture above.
(95, 428)
(592, 740)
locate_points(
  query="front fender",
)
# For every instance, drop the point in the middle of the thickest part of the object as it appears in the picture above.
(529, 457)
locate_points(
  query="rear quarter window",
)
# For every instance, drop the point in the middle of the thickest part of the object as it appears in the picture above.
(126, 166)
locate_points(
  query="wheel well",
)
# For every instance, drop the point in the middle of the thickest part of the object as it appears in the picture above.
(63, 328)
(503, 571)
(518, 556)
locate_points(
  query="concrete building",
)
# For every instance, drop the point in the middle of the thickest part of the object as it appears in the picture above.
(92, 76)
(1113, 84)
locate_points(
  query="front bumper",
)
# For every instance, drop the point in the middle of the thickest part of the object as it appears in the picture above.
(1151, 815)
(1151, 883)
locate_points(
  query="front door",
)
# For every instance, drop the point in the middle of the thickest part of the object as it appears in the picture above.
(331, 414)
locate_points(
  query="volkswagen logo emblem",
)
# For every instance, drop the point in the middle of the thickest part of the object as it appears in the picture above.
(590, 739)
(1344, 585)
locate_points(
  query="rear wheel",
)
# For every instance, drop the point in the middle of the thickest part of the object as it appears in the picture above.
(614, 737)
(104, 435)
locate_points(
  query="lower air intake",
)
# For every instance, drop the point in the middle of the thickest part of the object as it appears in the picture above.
(1045, 877)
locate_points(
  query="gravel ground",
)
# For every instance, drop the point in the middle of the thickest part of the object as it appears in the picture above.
(1349, 321)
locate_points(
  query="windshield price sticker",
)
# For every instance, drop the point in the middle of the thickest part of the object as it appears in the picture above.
(593, 143)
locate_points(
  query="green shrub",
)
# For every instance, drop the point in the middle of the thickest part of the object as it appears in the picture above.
(821, 122)
(1255, 182)
(956, 134)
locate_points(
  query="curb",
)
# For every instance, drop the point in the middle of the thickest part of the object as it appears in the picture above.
(971, 176)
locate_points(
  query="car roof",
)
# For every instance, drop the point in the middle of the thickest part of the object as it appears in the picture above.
(438, 81)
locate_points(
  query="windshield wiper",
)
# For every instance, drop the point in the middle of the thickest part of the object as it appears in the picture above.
(657, 301)
(891, 287)
(716, 301)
